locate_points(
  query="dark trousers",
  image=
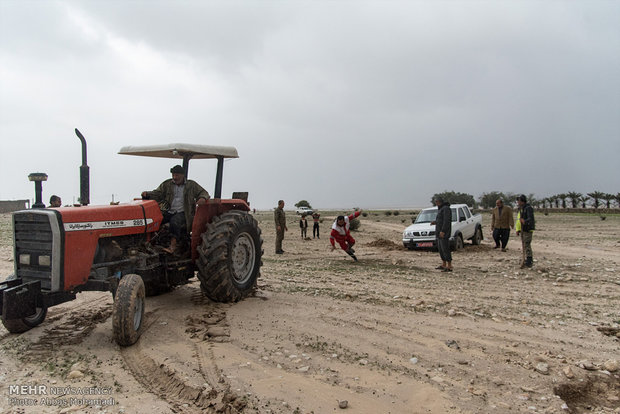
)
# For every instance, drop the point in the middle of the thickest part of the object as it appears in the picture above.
(443, 245)
(315, 230)
(501, 235)
(178, 228)
(279, 238)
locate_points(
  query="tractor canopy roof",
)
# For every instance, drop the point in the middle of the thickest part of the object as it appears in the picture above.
(181, 151)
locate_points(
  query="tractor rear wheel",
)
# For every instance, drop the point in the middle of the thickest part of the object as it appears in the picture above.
(230, 256)
(128, 310)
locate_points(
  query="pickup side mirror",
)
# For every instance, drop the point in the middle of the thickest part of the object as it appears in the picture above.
(462, 219)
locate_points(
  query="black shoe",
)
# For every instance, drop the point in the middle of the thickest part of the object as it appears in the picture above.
(496, 247)
(279, 251)
(354, 258)
(529, 262)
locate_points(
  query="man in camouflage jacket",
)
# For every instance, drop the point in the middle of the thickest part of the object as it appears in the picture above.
(280, 219)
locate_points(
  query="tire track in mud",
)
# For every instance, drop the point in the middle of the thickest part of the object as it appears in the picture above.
(175, 387)
(209, 327)
(57, 314)
(162, 381)
(198, 298)
(69, 326)
(70, 332)
(505, 358)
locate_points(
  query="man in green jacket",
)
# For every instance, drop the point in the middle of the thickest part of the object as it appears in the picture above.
(280, 219)
(177, 198)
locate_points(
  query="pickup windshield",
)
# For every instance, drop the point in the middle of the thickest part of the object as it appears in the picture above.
(426, 216)
(429, 216)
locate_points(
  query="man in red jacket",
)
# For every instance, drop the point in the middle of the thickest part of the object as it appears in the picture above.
(341, 234)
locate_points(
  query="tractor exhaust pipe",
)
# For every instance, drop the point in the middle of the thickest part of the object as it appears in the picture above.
(84, 173)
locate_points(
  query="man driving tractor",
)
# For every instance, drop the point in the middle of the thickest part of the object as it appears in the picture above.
(177, 198)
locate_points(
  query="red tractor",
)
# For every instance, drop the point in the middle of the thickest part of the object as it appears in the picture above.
(63, 251)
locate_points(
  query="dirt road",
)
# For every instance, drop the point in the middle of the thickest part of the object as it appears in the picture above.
(389, 334)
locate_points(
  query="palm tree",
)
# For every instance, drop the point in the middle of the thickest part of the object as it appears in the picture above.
(574, 198)
(583, 200)
(617, 197)
(608, 197)
(550, 201)
(562, 197)
(596, 196)
(556, 200)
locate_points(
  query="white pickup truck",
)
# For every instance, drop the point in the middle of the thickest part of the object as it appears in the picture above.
(465, 225)
(304, 210)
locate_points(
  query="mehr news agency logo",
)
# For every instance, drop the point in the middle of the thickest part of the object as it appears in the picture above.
(24, 395)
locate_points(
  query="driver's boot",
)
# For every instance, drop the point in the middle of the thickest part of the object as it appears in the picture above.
(173, 246)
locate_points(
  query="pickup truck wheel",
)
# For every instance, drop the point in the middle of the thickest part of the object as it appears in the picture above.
(458, 242)
(477, 237)
(230, 256)
(128, 310)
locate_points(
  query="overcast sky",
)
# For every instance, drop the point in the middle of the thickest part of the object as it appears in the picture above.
(341, 103)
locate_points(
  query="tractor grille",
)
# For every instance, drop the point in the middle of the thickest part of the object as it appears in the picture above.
(33, 241)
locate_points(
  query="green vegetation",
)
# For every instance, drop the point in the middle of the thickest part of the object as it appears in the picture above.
(455, 198)
(303, 203)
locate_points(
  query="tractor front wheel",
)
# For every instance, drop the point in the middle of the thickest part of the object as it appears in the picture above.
(230, 256)
(128, 310)
(27, 323)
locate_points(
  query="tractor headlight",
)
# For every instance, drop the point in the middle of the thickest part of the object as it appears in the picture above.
(44, 261)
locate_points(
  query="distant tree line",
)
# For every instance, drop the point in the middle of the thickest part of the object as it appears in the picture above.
(303, 203)
(572, 199)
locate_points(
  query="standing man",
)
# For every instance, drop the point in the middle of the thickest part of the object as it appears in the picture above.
(177, 198)
(303, 225)
(341, 233)
(315, 227)
(525, 228)
(501, 223)
(55, 201)
(443, 231)
(280, 219)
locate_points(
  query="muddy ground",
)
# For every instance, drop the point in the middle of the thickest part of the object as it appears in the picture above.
(389, 334)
